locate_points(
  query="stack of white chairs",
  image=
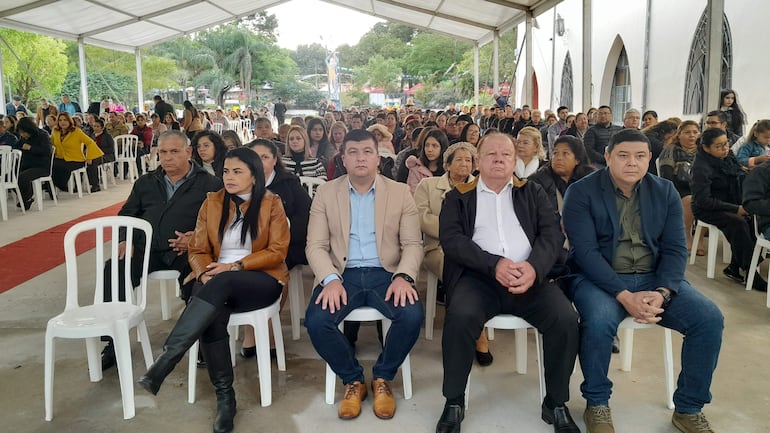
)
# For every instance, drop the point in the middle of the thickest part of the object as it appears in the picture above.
(125, 154)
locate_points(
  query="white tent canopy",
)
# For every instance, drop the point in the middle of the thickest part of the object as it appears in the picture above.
(142, 23)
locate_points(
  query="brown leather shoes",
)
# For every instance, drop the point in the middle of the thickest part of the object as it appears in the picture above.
(350, 406)
(384, 403)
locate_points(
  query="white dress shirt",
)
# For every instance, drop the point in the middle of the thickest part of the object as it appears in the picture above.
(497, 229)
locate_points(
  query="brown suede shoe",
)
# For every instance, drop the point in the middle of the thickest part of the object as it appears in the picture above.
(384, 403)
(691, 422)
(598, 419)
(350, 406)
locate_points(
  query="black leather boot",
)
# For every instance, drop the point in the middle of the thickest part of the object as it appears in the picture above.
(195, 319)
(217, 356)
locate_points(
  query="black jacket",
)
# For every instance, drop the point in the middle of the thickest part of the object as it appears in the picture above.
(296, 204)
(162, 108)
(538, 219)
(596, 140)
(756, 194)
(716, 184)
(148, 202)
(39, 153)
(552, 182)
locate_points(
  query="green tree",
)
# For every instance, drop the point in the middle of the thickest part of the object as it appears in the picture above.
(310, 59)
(379, 72)
(507, 58)
(431, 54)
(43, 56)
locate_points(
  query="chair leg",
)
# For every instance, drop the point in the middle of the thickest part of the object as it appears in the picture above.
(53, 192)
(627, 349)
(125, 371)
(37, 187)
(406, 376)
(145, 342)
(296, 296)
(192, 371)
(48, 376)
(164, 313)
(753, 266)
(712, 253)
(727, 252)
(695, 242)
(262, 336)
(521, 350)
(331, 383)
(278, 338)
(4, 204)
(668, 365)
(430, 305)
(94, 359)
(540, 366)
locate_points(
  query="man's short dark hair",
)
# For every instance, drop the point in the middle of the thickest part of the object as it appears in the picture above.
(357, 135)
(563, 107)
(465, 118)
(717, 113)
(605, 106)
(627, 134)
(157, 98)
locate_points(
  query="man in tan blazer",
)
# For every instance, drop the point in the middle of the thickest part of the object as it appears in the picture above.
(364, 246)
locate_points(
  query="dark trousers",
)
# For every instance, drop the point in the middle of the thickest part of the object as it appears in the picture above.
(236, 292)
(737, 229)
(62, 170)
(92, 170)
(179, 263)
(477, 298)
(25, 181)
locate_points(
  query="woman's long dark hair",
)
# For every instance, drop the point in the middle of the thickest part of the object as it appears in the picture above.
(251, 216)
(737, 117)
(220, 149)
(443, 141)
(324, 142)
(189, 106)
(584, 167)
(279, 167)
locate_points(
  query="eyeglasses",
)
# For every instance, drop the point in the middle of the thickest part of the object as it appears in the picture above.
(720, 146)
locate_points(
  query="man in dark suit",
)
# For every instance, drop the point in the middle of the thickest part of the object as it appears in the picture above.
(501, 238)
(627, 246)
(162, 108)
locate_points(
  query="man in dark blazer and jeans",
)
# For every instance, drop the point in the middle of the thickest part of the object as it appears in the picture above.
(627, 247)
(501, 238)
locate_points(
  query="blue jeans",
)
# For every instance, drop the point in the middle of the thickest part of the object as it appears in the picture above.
(689, 313)
(365, 287)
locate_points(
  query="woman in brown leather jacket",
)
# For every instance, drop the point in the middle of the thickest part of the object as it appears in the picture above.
(237, 254)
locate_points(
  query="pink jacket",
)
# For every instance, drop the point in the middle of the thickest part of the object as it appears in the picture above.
(417, 172)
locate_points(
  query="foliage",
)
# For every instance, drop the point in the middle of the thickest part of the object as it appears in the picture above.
(119, 86)
(370, 45)
(379, 72)
(431, 55)
(299, 93)
(43, 56)
(507, 62)
(310, 59)
(355, 97)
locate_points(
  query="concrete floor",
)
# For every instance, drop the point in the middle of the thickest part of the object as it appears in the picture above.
(500, 399)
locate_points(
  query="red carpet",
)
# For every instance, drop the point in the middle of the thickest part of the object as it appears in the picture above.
(29, 257)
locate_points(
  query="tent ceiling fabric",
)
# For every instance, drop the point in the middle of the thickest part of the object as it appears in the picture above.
(142, 23)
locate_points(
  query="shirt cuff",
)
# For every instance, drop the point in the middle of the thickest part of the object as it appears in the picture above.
(330, 278)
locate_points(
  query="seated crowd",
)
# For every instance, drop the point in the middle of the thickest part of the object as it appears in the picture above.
(568, 221)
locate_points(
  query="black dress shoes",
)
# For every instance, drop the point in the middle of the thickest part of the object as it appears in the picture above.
(560, 418)
(450, 419)
(108, 356)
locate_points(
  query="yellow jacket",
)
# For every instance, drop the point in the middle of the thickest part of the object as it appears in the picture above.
(71, 148)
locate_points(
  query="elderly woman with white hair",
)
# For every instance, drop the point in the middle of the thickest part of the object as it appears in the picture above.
(459, 163)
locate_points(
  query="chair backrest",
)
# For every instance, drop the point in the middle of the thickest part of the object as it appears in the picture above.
(756, 229)
(125, 146)
(311, 184)
(217, 127)
(234, 125)
(115, 225)
(10, 163)
(246, 124)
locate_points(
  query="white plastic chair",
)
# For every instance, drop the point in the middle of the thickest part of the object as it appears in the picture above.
(520, 327)
(258, 319)
(369, 314)
(113, 319)
(79, 178)
(164, 276)
(107, 172)
(626, 329)
(297, 303)
(311, 184)
(246, 129)
(37, 185)
(10, 162)
(430, 304)
(125, 153)
(714, 235)
(217, 127)
(762, 247)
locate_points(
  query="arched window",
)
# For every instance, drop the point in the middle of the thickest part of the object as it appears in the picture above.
(620, 95)
(695, 79)
(566, 82)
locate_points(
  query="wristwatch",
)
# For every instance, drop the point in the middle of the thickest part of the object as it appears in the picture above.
(406, 277)
(666, 297)
(237, 266)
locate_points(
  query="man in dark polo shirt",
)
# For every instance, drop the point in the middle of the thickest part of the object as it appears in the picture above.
(627, 247)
